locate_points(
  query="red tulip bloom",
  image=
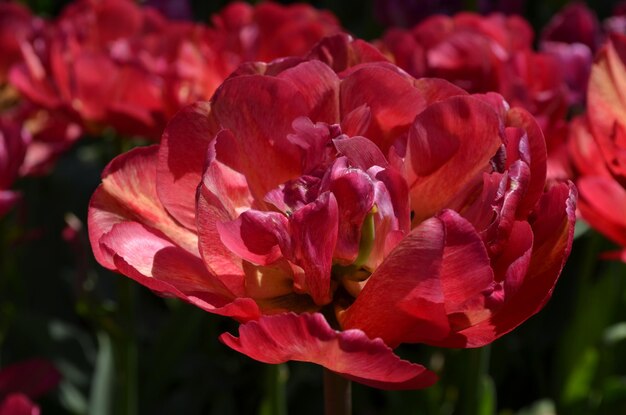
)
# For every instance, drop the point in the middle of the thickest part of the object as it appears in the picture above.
(572, 36)
(339, 211)
(489, 53)
(602, 144)
(114, 63)
(270, 30)
(23, 381)
(16, 25)
(13, 143)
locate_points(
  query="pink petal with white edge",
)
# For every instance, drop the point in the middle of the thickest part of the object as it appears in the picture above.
(222, 196)
(309, 338)
(153, 261)
(128, 193)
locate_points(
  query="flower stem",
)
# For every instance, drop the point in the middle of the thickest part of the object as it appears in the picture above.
(476, 377)
(275, 401)
(337, 394)
(127, 348)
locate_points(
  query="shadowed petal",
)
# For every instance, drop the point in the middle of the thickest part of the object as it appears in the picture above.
(319, 87)
(259, 111)
(256, 236)
(223, 194)
(182, 157)
(553, 232)
(155, 262)
(391, 97)
(434, 282)
(314, 234)
(309, 338)
(450, 143)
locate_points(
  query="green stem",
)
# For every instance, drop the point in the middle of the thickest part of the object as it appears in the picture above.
(127, 347)
(337, 394)
(476, 375)
(275, 401)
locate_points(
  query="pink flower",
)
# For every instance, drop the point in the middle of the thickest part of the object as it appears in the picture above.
(13, 143)
(116, 64)
(23, 381)
(490, 53)
(339, 211)
(598, 148)
(270, 30)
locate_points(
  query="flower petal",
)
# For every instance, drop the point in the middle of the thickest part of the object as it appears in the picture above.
(319, 87)
(182, 157)
(433, 283)
(309, 338)
(259, 110)
(314, 236)
(222, 195)
(450, 144)
(128, 193)
(392, 99)
(602, 203)
(153, 261)
(553, 231)
(256, 236)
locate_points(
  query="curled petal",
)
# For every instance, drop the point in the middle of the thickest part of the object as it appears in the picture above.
(256, 236)
(314, 236)
(450, 144)
(157, 263)
(433, 283)
(354, 192)
(182, 156)
(222, 195)
(553, 231)
(247, 106)
(361, 152)
(530, 148)
(128, 193)
(309, 338)
(392, 111)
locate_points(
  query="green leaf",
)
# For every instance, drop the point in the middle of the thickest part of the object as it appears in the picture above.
(102, 386)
